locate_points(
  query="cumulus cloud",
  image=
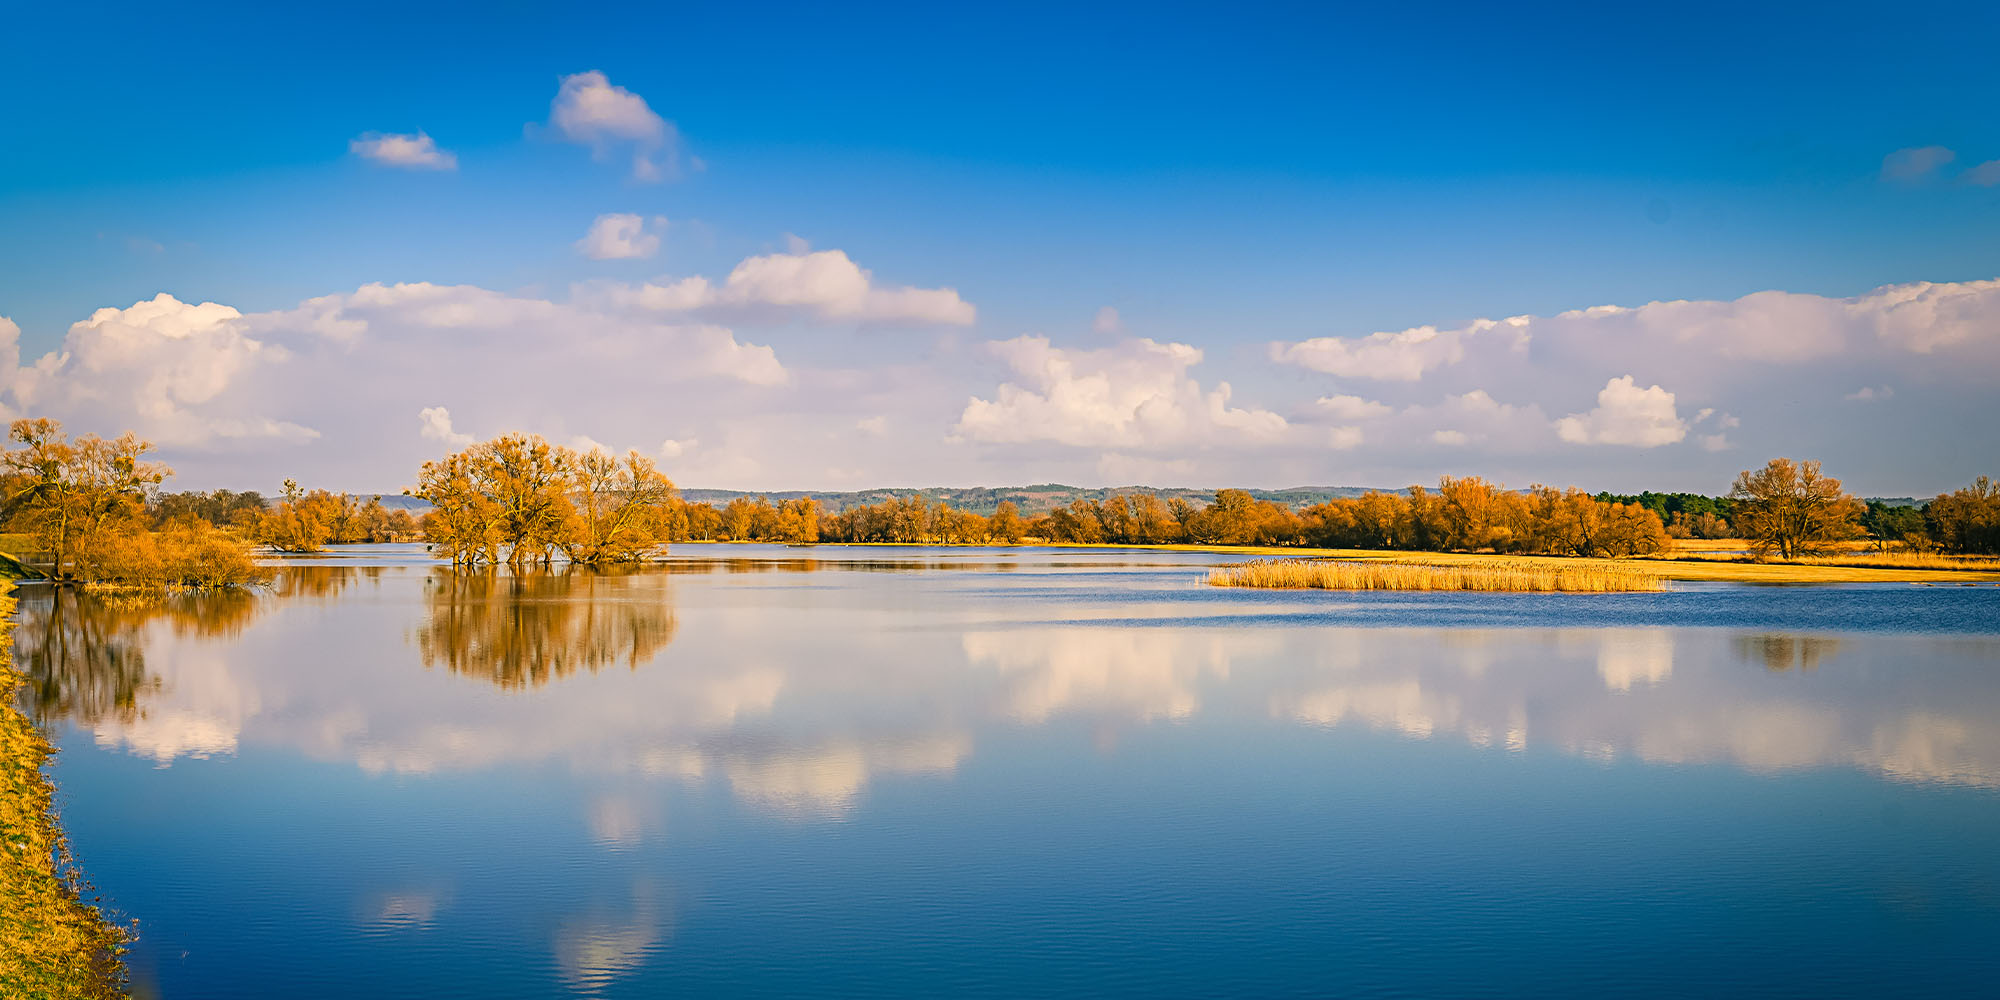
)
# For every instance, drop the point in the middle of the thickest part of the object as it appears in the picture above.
(1351, 407)
(160, 366)
(1402, 356)
(618, 236)
(1870, 394)
(1107, 322)
(1626, 415)
(1135, 395)
(826, 283)
(411, 152)
(1915, 163)
(436, 423)
(1984, 175)
(591, 111)
(239, 397)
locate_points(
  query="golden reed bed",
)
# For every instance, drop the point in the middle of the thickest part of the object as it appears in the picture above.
(1495, 575)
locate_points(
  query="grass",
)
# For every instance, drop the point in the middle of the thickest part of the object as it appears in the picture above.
(52, 943)
(1511, 575)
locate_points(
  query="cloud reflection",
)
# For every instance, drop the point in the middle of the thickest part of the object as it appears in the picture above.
(797, 697)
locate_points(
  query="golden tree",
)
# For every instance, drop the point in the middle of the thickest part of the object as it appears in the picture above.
(521, 499)
(619, 508)
(74, 496)
(1791, 509)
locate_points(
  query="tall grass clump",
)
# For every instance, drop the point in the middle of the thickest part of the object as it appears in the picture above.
(1487, 575)
(52, 943)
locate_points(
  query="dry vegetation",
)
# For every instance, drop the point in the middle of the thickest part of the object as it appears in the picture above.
(52, 943)
(1490, 574)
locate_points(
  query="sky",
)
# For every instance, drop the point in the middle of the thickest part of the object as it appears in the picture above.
(838, 247)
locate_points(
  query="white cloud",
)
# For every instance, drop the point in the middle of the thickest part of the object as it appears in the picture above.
(1915, 163)
(436, 421)
(413, 152)
(823, 282)
(405, 151)
(1626, 415)
(1984, 175)
(1352, 407)
(589, 110)
(1402, 356)
(1870, 393)
(671, 448)
(237, 398)
(1135, 395)
(1681, 336)
(1926, 316)
(1107, 321)
(620, 235)
(160, 367)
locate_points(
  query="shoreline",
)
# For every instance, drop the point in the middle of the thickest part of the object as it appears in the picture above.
(1684, 570)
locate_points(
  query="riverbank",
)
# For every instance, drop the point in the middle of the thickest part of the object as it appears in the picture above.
(52, 943)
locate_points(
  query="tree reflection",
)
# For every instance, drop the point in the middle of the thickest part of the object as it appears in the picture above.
(83, 652)
(1783, 652)
(525, 629)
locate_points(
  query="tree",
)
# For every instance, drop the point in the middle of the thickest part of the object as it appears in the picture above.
(1967, 520)
(618, 509)
(798, 522)
(302, 522)
(1791, 509)
(1005, 525)
(520, 498)
(75, 496)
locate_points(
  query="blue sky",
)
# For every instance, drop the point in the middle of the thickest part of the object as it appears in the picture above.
(1222, 179)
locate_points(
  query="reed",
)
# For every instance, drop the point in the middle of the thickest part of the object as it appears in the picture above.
(1487, 575)
(53, 942)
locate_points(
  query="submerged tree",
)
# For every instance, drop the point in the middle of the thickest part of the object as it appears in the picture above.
(521, 499)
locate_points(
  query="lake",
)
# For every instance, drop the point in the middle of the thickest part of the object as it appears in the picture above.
(769, 771)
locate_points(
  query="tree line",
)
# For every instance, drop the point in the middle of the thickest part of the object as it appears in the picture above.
(91, 509)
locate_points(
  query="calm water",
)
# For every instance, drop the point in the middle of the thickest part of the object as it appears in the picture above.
(770, 771)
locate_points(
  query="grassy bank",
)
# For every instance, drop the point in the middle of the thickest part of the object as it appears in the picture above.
(1509, 575)
(52, 943)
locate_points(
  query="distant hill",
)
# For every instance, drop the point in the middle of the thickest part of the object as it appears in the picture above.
(1038, 499)
(396, 501)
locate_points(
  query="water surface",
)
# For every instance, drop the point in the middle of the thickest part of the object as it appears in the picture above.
(764, 771)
